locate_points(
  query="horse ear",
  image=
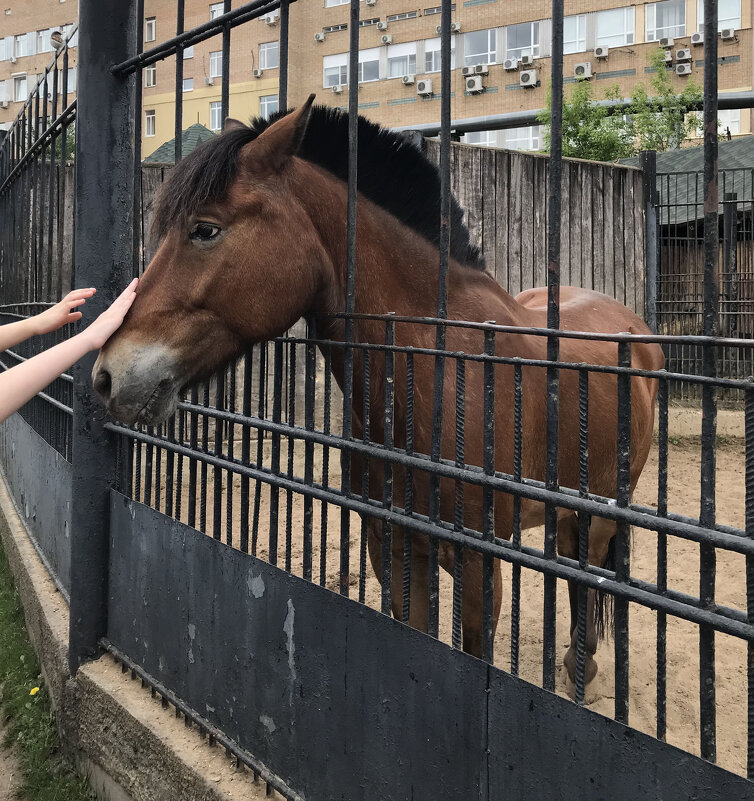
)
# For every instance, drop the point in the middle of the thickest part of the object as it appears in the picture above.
(232, 125)
(283, 138)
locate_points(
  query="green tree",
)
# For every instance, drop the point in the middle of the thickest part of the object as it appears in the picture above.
(659, 121)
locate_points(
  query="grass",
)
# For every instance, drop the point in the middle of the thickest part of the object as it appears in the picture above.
(46, 774)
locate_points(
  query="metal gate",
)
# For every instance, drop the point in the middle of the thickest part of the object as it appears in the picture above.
(271, 635)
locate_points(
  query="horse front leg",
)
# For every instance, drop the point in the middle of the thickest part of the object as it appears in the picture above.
(472, 613)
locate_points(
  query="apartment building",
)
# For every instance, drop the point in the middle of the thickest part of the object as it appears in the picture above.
(26, 51)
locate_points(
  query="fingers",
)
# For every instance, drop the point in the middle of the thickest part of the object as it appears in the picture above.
(76, 294)
(72, 304)
(73, 316)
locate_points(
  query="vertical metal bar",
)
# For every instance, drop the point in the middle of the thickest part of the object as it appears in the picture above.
(193, 442)
(729, 265)
(709, 401)
(229, 475)
(366, 434)
(325, 466)
(516, 568)
(311, 366)
(225, 95)
(749, 431)
(248, 361)
(178, 150)
(583, 522)
(138, 234)
(353, 151)
(488, 499)
(387, 469)
(104, 236)
(291, 444)
(283, 54)
(409, 490)
(648, 161)
(263, 367)
(622, 533)
(662, 557)
(460, 461)
(277, 401)
(553, 323)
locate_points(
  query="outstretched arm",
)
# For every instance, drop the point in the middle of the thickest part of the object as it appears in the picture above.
(49, 320)
(21, 383)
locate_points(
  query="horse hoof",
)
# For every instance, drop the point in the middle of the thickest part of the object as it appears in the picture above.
(590, 667)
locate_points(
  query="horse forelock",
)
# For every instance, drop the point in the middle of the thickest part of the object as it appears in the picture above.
(393, 173)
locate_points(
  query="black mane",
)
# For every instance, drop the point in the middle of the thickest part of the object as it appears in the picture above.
(392, 172)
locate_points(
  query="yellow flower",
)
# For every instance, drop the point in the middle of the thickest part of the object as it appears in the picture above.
(34, 691)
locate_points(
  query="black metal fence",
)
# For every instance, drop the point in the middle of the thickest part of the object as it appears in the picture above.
(274, 636)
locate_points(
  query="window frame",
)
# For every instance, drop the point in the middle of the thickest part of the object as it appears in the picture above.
(404, 51)
(490, 53)
(216, 106)
(533, 49)
(629, 37)
(337, 61)
(183, 86)
(655, 33)
(150, 76)
(150, 27)
(374, 58)
(267, 114)
(434, 53)
(150, 116)
(722, 22)
(215, 59)
(216, 10)
(579, 40)
(265, 48)
(17, 78)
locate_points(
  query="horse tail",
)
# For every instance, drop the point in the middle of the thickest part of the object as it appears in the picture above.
(604, 612)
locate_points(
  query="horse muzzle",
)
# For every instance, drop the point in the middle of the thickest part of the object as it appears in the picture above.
(138, 384)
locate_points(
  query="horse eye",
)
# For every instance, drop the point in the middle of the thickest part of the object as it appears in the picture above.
(204, 231)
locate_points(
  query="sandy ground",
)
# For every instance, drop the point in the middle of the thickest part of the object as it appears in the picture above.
(683, 575)
(9, 771)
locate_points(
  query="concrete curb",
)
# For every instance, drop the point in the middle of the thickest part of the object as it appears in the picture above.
(121, 738)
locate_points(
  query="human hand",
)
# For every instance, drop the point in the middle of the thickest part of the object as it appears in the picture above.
(62, 313)
(110, 319)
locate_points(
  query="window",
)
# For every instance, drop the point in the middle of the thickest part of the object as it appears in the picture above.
(528, 138)
(335, 70)
(3, 96)
(268, 105)
(188, 84)
(365, 23)
(615, 27)
(215, 10)
(268, 56)
(150, 29)
(216, 64)
(72, 79)
(43, 41)
(20, 92)
(335, 28)
(3, 54)
(522, 40)
(401, 60)
(481, 138)
(399, 17)
(480, 47)
(432, 54)
(149, 123)
(730, 121)
(336, 2)
(150, 75)
(188, 52)
(21, 46)
(728, 14)
(574, 34)
(215, 116)
(666, 19)
(369, 65)
(437, 10)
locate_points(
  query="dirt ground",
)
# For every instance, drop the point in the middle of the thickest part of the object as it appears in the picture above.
(683, 575)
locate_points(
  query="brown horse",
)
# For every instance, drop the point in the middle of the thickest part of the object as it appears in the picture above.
(253, 232)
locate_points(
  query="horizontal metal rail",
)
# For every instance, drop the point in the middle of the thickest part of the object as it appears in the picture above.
(206, 31)
(727, 621)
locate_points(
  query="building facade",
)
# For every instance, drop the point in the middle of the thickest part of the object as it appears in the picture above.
(26, 51)
(506, 42)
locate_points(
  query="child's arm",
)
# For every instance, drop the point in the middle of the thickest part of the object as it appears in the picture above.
(24, 381)
(49, 320)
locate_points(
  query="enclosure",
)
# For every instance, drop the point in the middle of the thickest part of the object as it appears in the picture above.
(224, 556)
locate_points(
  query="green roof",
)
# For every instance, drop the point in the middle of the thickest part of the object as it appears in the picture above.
(680, 179)
(190, 138)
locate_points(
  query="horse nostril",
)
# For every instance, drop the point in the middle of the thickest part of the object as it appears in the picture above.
(102, 384)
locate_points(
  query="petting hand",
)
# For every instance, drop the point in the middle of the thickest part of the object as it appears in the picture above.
(109, 321)
(62, 313)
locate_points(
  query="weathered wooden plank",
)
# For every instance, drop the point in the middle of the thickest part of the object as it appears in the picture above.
(598, 228)
(587, 230)
(630, 236)
(618, 224)
(529, 213)
(565, 226)
(539, 228)
(502, 229)
(515, 207)
(640, 234)
(488, 199)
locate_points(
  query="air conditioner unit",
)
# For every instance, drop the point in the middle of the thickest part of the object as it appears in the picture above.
(528, 78)
(728, 33)
(424, 87)
(271, 19)
(455, 27)
(666, 42)
(337, 89)
(683, 69)
(527, 61)
(697, 38)
(583, 71)
(601, 52)
(381, 26)
(319, 37)
(4, 104)
(466, 71)
(386, 38)
(407, 80)
(474, 85)
(371, 2)
(510, 64)
(209, 81)
(668, 56)
(257, 73)
(12, 59)
(683, 54)
(482, 69)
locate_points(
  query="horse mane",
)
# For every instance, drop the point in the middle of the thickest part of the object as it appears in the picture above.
(392, 172)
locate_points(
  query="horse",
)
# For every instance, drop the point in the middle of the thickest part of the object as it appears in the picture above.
(252, 237)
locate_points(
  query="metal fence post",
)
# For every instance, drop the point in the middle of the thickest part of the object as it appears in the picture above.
(648, 161)
(103, 246)
(730, 283)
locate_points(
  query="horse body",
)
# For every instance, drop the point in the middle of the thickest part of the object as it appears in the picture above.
(279, 252)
